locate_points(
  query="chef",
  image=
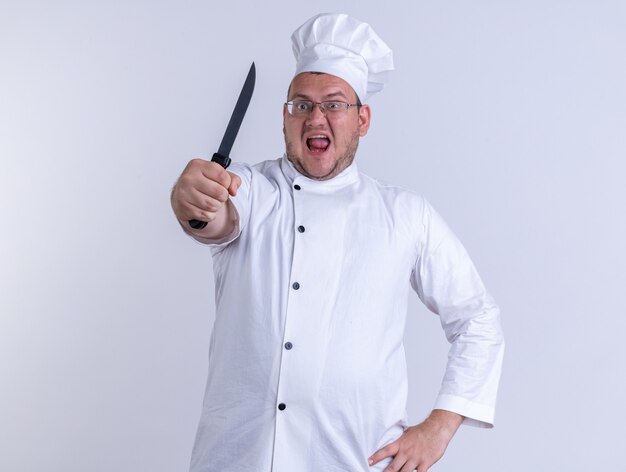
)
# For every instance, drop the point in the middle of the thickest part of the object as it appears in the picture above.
(313, 262)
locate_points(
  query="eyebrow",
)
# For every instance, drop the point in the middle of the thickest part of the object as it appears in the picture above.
(326, 97)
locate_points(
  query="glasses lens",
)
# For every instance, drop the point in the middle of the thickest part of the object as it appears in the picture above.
(299, 107)
(334, 107)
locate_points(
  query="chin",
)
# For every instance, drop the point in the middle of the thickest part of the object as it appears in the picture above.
(319, 165)
(322, 173)
(313, 166)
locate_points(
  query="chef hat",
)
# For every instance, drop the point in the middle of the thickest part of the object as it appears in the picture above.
(337, 44)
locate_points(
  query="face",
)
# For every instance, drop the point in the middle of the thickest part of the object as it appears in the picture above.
(320, 146)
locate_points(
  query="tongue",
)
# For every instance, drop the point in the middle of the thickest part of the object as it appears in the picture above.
(318, 144)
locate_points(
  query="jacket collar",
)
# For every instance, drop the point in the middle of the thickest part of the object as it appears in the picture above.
(348, 176)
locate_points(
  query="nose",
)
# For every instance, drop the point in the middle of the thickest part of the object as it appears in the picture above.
(316, 115)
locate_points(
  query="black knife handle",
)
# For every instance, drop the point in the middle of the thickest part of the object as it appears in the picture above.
(221, 160)
(197, 224)
(224, 162)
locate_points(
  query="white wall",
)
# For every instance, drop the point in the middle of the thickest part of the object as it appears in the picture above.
(509, 116)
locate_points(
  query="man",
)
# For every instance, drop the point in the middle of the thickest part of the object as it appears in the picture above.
(313, 261)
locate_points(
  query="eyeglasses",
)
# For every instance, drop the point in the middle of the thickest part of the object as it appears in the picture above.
(305, 107)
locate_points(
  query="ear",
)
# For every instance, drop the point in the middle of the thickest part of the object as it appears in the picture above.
(364, 119)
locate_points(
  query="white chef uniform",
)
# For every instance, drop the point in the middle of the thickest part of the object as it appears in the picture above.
(307, 367)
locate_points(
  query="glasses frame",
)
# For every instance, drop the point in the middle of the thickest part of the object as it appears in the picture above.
(321, 106)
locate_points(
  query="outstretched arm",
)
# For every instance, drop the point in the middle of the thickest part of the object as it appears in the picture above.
(202, 193)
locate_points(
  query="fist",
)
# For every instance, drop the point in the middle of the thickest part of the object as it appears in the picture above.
(202, 191)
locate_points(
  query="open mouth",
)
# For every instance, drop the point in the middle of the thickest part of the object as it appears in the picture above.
(318, 143)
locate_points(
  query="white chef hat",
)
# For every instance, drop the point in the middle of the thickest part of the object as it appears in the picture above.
(337, 44)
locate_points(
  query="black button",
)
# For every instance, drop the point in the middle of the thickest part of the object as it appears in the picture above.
(282, 406)
(301, 228)
(296, 285)
(297, 187)
(288, 345)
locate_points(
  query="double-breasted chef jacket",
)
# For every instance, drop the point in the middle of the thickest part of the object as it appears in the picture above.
(307, 369)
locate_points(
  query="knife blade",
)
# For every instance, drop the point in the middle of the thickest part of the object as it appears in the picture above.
(223, 152)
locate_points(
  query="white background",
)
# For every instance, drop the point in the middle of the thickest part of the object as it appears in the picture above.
(510, 117)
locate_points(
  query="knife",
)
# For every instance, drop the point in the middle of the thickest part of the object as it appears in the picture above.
(222, 154)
